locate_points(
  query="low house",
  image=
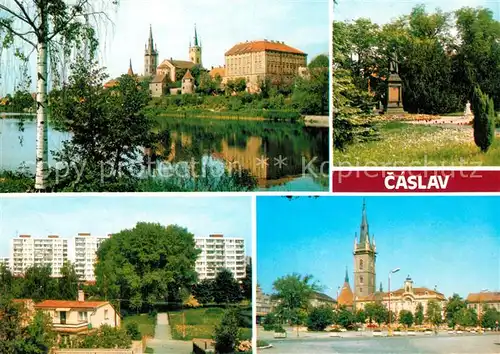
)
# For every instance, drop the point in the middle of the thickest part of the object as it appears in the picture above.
(320, 299)
(158, 85)
(80, 315)
(171, 67)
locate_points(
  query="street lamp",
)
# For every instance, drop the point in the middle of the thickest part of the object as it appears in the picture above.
(338, 290)
(395, 270)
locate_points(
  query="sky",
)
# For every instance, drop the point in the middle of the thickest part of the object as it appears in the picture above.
(449, 242)
(303, 24)
(383, 11)
(102, 215)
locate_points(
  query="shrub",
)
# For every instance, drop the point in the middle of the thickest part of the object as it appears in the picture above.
(320, 318)
(484, 119)
(227, 333)
(269, 322)
(132, 329)
(279, 329)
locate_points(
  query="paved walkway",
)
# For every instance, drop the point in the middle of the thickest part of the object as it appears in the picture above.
(163, 343)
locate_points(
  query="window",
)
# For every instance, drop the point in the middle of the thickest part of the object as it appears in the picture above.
(106, 317)
(82, 316)
(361, 264)
(361, 279)
(360, 290)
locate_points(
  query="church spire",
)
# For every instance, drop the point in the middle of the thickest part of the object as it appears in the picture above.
(150, 41)
(363, 230)
(130, 71)
(346, 279)
(195, 36)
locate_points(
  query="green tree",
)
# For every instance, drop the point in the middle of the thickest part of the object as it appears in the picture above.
(40, 337)
(454, 304)
(345, 318)
(406, 318)
(38, 284)
(320, 61)
(105, 337)
(10, 326)
(294, 291)
(108, 128)
(360, 316)
(203, 291)
(433, 314)
(419, 314)
(54, 26)
(22, 100)
(376, 312)
(466, 317)
(132, 329)
(146, 264)
(489, 318)
(246, 284)
(484, 119)
(227, 333)
(320, 318)
(9, 285)
(311, 93)
(68, 282)
(226, 289)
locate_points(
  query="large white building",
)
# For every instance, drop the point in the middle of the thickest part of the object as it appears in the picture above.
(219, 252)
(27, 252)
(5, 261)
(85, 255)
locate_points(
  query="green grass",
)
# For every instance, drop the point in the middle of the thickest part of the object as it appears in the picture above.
(402, 144)
(146, 324)
(149, 350)
(200, 323)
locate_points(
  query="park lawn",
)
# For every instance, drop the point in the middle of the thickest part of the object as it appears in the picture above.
(403, 144)
(146, 324)
(200, 323)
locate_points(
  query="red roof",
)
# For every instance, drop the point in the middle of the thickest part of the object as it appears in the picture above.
(262, 45)
(486, 296)
(346, 296)
(48, 304)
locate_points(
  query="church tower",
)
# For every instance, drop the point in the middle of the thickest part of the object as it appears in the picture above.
(150, 56)
(195, 50)
(364, 259)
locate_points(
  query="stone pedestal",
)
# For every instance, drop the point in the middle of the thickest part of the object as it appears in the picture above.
(394, 95)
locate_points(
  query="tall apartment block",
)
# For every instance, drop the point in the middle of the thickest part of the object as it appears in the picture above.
(219, 252)
(86, 254)
(5, 261)
(27, 252)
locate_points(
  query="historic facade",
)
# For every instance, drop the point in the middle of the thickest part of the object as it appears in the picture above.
(407, 297)
(150, 56)
(364, 259)
(488, 299)
(256, 61)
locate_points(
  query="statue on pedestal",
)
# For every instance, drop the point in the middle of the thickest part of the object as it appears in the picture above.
(393, 64)
(467, 111)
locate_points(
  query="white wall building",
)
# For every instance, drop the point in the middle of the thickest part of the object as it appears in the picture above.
(219, 252)
(5, 261)
(85, 254)
(27, 252)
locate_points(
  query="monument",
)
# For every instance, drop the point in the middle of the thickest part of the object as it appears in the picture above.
(467, 112)
(394, 89)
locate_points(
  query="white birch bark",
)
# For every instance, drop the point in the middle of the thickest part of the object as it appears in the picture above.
(41, 111)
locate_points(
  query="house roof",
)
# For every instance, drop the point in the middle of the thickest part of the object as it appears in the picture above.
(346, 296)
(178, 64)
(262, 45)
(111, 83)
(217, 71)
(158, 78)
(49, 304)
(487, 296)
(322, 297)
(416, 291)
(188, 75)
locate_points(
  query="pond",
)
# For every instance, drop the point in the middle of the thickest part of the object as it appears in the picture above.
(275, 153)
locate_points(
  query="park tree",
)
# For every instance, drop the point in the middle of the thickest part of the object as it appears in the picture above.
(246, 284)
(50, 27)
(433, 314)
(38, 284)
(454, 304)
(146, 264)
(360, 316)
(9, 285)
(226, 289)
(203, 291)
(108, 128)
(345, 318)
(406, 318)
(484, 119)
(376, 312)
(39, 335)
(419, 314)
(319, 318)
(311, 93)
(227, 333)
(67, 284)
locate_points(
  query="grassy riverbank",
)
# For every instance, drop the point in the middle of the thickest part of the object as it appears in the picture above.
(402, 144)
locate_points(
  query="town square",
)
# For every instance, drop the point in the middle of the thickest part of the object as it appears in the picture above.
(378, 275)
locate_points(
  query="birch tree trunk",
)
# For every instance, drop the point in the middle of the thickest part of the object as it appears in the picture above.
(41, 104)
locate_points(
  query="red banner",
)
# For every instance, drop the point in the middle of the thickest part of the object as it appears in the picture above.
(416, 181)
